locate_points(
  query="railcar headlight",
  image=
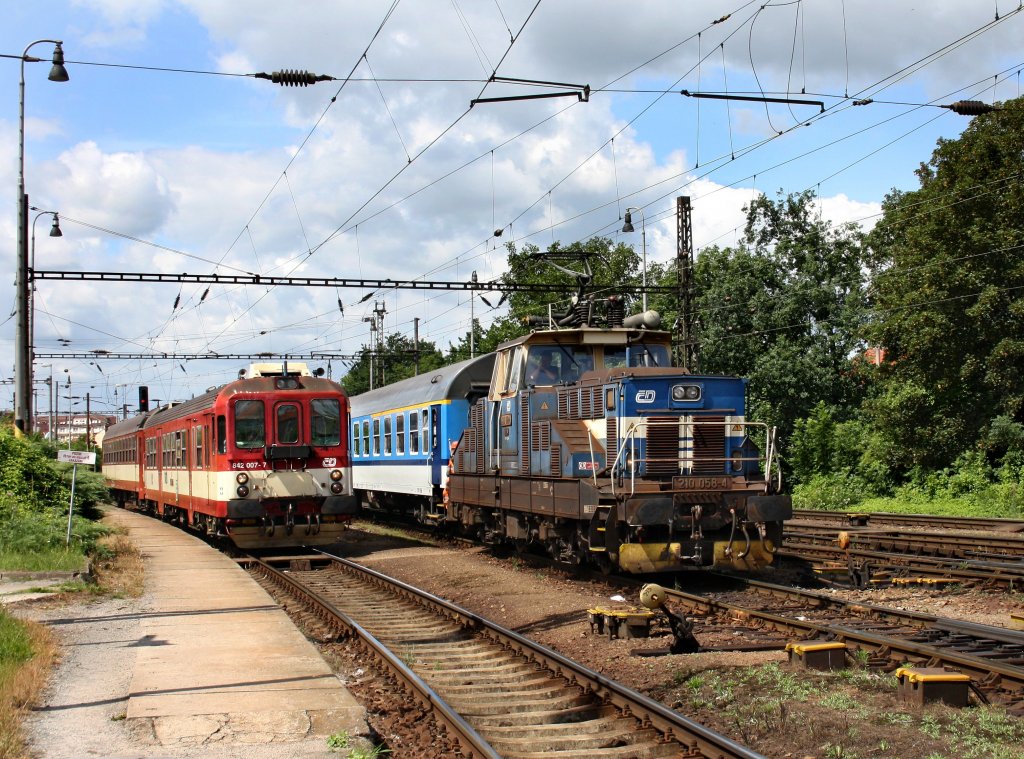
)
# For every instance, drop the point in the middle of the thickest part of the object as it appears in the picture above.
(336, 474)
(241, 478)
(336, 487)
(686, 392)
(242, 490)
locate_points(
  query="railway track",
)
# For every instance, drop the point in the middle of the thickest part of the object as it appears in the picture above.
(993, 657)
(496, 692)
(951, 545)
(865, 566)
(882, 519)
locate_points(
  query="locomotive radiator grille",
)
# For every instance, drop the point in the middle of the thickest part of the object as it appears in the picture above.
(708, 445)
(541, 437)
(662, 447)
(477, 421)
(467, 451)
(580, 403)
(524, 434)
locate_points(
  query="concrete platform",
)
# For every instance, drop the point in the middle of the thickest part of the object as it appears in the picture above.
(217, 659)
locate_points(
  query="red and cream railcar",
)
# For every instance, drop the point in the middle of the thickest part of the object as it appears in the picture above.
(263, 460)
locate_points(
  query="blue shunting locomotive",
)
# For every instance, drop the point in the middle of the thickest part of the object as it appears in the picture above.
(584, 443)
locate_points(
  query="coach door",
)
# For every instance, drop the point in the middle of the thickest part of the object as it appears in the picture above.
(436, 457)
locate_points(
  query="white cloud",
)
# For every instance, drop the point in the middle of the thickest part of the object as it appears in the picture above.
(218, 201)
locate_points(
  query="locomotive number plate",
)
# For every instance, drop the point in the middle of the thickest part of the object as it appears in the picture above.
(702, 483)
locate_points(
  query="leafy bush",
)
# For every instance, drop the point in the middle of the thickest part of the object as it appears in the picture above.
(34, 495)
(831, 492)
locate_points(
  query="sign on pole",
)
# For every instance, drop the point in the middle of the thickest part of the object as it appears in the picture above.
(75, 458)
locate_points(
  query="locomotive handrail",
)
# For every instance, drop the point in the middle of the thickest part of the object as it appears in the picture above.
(629, 440)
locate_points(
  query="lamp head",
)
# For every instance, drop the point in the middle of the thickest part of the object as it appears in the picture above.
(58, 73)
(628, 226)
(55, 229)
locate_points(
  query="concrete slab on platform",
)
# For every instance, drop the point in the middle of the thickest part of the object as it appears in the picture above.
(217, 659)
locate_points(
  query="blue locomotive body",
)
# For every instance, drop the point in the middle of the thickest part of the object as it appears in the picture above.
(584, 443)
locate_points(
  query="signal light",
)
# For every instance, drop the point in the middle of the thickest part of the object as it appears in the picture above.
(241, 478)
(242, 490)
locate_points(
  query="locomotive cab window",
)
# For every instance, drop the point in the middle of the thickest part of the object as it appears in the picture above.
(505, 378)
(250, 425)
(287, 415)
(325, 417)
(222, 434)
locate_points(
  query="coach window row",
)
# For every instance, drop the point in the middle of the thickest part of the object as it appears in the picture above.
(121, 451)
(392, 435)
(174, 449)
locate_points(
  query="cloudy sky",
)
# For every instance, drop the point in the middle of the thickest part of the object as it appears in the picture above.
(163, 154)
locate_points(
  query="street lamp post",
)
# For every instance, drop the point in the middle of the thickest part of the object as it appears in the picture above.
(628, 227)
(22, 358)
(31, 285)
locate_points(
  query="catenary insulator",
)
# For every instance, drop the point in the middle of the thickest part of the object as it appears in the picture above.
(970, 107)
(293, 78)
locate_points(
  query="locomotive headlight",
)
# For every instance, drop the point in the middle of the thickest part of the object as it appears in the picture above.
(336, 487)
(686, 392)
(241, 478)
(242, 490)
(336, 474)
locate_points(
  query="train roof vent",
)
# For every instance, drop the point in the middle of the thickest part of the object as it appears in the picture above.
(291, 368)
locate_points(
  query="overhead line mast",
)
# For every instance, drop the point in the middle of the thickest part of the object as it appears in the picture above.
(687, 347)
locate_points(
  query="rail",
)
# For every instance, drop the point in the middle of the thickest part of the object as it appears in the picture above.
(669, 727)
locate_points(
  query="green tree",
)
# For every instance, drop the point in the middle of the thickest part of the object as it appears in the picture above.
(613, 266)
(396, 361)
(949, 295)
(785, 308)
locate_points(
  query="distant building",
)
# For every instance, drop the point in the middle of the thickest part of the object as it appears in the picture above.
(875, 356)
(67, 427)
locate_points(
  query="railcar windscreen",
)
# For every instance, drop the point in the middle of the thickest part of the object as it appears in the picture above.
(287, 424)
(250, 425)
(637, 354)
(325, 414)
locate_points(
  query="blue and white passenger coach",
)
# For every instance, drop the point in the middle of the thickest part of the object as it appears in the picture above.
(401, 436)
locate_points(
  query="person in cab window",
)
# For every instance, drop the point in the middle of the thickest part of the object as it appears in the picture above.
(542, 369)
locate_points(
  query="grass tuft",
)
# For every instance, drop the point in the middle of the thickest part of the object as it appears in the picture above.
(27, 653)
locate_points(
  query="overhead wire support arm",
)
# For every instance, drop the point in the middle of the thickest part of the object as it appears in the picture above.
(263, 280)
(579, 91)
(315, 355)
(753, 98)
